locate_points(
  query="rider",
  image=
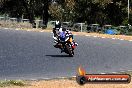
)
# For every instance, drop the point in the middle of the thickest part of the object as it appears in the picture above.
(57, 31)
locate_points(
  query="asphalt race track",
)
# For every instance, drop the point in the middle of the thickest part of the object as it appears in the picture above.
(31, 55)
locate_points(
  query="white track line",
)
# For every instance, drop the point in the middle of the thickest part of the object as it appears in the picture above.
(16, 29)
(61, 77)
(114, 72)
(122, 71)
(87, 35)
(102, 37)
(47, 78)
(130, 40)
(28, 30)
(105, 37)
(95, 36)
(73, 76)
(114, 38)
(121, 39)
(41, 31)
(102, 73)
(5, 28)
(33, 79)
(129, 70)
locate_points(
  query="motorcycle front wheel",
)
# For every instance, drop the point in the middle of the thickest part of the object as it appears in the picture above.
(70, 51)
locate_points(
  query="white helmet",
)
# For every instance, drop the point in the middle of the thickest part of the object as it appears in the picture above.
(57, 22)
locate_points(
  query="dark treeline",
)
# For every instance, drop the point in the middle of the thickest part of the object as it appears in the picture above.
(90, 11)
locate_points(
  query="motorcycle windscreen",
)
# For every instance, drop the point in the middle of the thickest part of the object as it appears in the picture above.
(62, 36)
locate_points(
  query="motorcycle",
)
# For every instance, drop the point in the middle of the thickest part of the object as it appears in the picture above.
(66, 44)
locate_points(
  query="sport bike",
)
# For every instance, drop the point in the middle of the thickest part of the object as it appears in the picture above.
(66, 43)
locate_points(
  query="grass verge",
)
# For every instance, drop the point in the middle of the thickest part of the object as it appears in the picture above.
(12, 83)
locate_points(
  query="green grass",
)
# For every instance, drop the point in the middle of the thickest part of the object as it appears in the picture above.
(12, 83)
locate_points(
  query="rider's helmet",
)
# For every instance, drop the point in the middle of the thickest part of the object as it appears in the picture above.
(57, 24)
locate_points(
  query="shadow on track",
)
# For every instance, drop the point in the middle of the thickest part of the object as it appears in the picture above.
(58, 55)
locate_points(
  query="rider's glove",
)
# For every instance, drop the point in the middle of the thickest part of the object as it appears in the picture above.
(76, 44)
